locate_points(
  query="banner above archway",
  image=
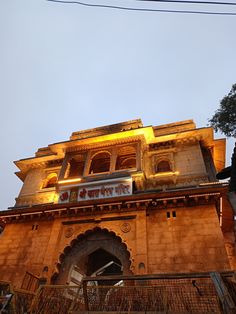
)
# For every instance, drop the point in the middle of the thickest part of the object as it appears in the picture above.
(95, 190)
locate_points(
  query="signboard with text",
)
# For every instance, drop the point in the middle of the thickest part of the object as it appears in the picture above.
(99, 190)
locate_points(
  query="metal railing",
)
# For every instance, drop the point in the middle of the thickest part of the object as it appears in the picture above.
(166, 293)
(30, 282)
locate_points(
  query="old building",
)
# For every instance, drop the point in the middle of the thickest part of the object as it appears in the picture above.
(122, 198)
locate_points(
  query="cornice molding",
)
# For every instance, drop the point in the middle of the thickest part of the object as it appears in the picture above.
(136, 202)
(38, 162)
(105, 144)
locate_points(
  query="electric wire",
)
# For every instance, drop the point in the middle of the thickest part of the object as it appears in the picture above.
(143, 9)
(191, 2)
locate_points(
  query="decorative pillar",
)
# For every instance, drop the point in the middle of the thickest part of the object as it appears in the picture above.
(138, 156)
(63, 167)
(113, 159)
(87, 164)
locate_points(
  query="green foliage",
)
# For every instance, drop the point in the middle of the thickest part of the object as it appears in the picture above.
(224, 119)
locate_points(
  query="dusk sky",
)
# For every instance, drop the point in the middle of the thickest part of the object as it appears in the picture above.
(66, 67)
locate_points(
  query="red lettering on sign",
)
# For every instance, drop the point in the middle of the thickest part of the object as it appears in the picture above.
(83, 193)
(122, 189)
(93, 193)
(64, 196)
(106, 191)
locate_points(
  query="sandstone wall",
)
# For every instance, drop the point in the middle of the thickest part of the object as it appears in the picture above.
(190, 242)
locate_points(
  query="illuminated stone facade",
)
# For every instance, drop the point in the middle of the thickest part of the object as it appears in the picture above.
(122, 198)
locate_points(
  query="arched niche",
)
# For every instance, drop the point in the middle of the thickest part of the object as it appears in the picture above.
(163, 166)
(94, 252)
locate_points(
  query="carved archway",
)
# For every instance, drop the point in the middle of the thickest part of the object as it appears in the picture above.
(85, 249)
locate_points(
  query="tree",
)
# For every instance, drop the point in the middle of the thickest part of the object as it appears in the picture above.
(224, 119)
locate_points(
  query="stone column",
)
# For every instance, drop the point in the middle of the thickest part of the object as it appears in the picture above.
(87, 164)
(113, 159)
(138, 156)
(63, 167)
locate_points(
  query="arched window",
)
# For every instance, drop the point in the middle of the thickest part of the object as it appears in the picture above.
(75, 165)
(128, 163)
(50, 181)
(163, 166)
(126, 158)
(76, 168)
(100, 163)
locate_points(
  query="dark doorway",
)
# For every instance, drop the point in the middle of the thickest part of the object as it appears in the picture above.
(101, 263)
(97, 252)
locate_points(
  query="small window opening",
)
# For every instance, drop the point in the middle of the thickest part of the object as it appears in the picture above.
(174, 214)
(163, 166)
(168, 215)
(100, 163)
(141, 266)
(50, 181)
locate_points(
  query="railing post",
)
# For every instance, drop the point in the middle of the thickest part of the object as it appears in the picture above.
(223, 294)
(35, 299)
(85, 293)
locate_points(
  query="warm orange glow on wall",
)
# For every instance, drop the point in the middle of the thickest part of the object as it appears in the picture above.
(165, 174)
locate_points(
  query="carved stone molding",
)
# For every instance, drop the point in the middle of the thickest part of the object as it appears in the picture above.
(69, 232)
(125, 227)
(106, 144)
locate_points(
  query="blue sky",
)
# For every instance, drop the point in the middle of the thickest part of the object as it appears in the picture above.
(66, 67)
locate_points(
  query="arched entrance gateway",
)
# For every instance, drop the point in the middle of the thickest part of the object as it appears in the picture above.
(93, 253)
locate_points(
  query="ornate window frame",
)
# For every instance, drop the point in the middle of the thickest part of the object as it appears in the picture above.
(157, 158)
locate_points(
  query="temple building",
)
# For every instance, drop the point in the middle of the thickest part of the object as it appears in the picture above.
(120, 199)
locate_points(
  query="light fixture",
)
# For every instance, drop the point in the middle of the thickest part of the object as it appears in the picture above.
(69, 181)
